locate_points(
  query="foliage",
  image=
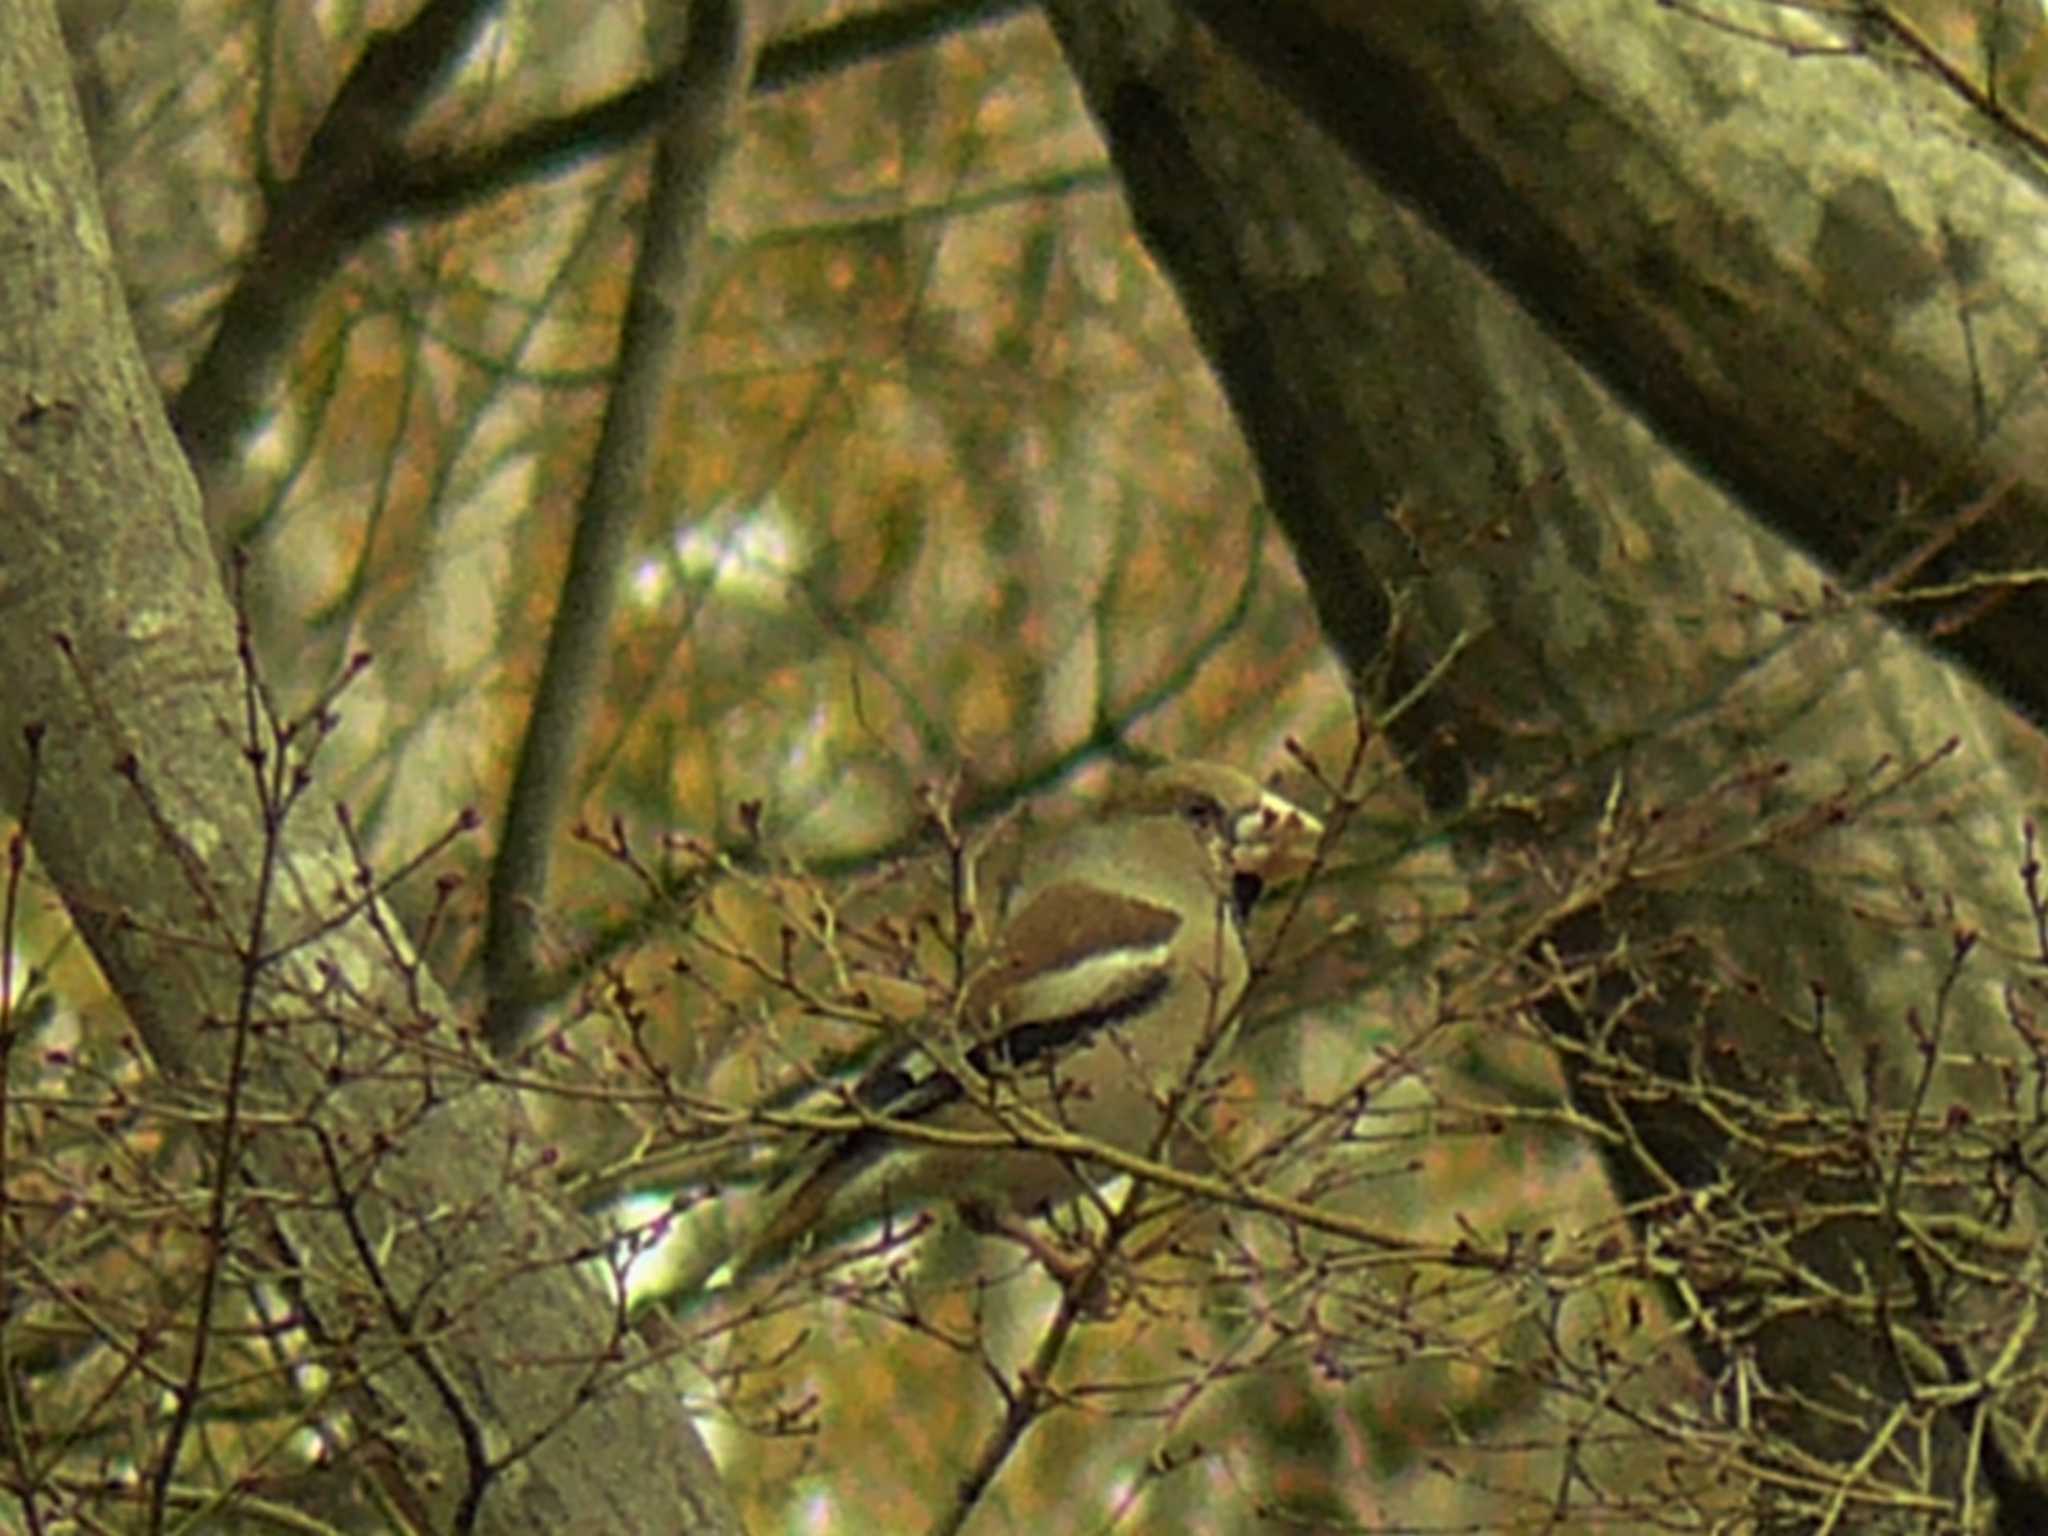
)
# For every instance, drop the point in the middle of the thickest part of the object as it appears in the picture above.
(947, 515)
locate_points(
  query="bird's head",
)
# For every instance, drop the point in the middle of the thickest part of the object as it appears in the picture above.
(1263, 838)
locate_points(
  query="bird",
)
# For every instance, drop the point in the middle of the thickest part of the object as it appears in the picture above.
(1115, 974)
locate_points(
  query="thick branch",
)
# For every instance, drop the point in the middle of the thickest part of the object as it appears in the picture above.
(1802, 272)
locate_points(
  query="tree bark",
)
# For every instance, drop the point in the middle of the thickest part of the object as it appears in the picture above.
(1650, 696)
(363, 1160)
(1812, 273)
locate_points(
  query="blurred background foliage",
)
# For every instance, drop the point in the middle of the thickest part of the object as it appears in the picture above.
(945, 488)
(944, 481)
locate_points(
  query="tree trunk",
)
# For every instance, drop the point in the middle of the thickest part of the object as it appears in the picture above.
(1811, 268)
(1782, 889)
(362, 1159)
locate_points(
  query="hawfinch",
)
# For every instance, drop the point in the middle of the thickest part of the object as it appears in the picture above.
(1117, 969)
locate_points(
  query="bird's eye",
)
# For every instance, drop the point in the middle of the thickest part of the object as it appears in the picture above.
(1205, 812)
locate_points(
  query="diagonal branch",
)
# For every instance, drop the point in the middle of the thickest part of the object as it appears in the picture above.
(356, 180)
(705, 94)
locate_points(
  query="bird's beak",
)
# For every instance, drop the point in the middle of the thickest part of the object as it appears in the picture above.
(1274, 841)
